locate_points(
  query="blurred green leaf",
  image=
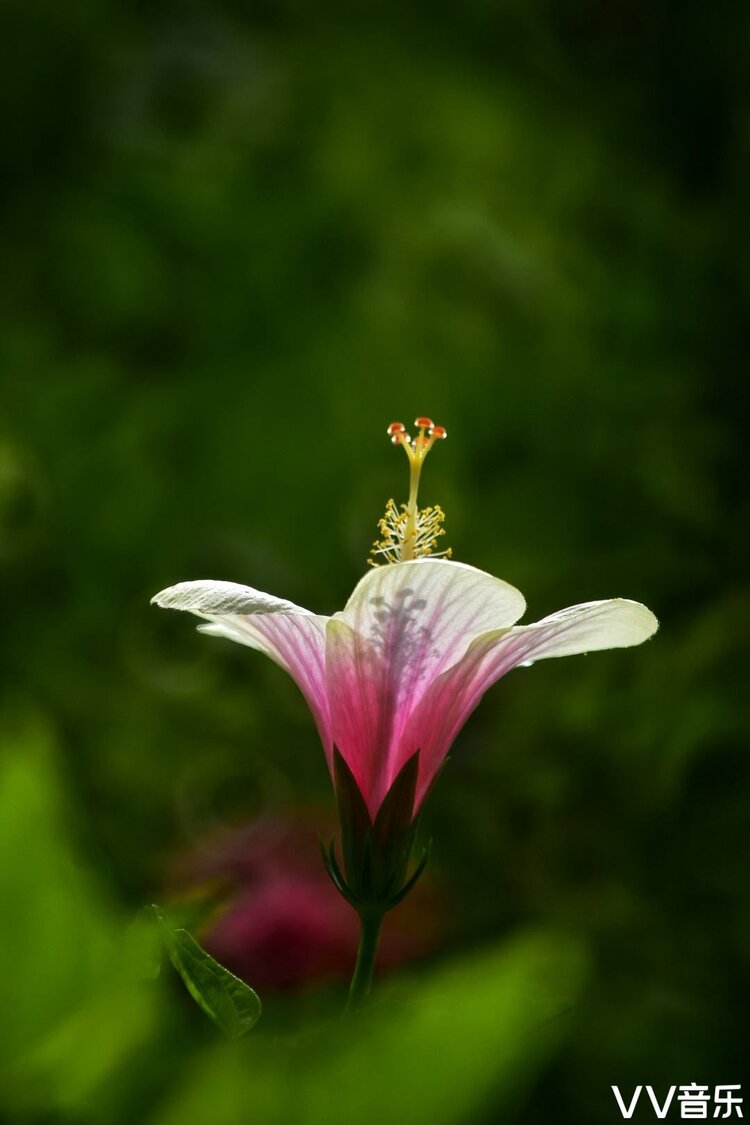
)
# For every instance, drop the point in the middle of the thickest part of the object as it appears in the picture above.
(72, 1017)
(142, 947)
(430, 1050)
(232, 1005)
(55, 931)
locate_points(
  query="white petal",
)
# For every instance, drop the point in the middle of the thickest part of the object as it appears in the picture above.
(615, 623)
(449, 600)
(293, 637)
(208, 597)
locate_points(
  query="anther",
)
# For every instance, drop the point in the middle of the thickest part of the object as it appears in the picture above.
(424, 423)
(395, 428)
(439, 432)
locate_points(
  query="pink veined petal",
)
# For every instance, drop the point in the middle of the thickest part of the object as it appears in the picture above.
(402, 627)
(616, 623)
(361, 708)
(293, 637)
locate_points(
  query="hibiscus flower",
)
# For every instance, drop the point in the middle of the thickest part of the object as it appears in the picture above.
(392, 677)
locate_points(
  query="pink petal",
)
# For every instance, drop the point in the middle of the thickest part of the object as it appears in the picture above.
(402, 627)
(291, 636)
(617, 623)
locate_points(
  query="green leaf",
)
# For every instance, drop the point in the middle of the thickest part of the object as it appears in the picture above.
(232, 1005)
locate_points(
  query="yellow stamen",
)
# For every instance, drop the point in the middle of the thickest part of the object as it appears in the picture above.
(410, 532)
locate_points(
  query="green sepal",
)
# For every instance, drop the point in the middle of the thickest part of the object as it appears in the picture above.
(331, 865)
(412, 880)
(375, 855)
(354, 817)
(394, 829)
(232, 1005)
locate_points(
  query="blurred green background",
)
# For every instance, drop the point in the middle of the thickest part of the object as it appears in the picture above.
(238, 241)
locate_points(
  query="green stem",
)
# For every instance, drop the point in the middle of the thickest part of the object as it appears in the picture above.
(369, 939)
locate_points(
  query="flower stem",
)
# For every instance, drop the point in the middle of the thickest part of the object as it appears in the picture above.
(369, 939)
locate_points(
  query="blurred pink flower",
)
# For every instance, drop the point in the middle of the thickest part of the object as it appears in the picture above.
(404, 664)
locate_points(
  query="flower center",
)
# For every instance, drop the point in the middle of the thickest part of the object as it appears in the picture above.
(410, 532)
